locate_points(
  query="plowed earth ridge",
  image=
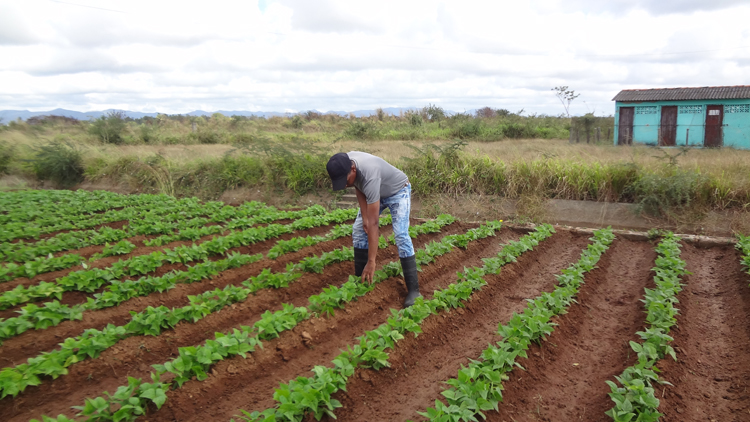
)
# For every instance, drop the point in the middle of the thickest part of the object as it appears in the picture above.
(133, 356)
(31, 342)
(563, 380)
(565, 375)
(238, 383)
(711, 378)
(76, 297)
(419, 365)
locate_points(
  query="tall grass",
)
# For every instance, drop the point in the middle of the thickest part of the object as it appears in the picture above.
(440, 154)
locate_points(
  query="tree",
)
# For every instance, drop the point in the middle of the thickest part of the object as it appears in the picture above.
(566, 96)
(109, 128)
(433, 112)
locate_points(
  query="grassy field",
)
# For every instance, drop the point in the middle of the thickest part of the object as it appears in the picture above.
(443, 156)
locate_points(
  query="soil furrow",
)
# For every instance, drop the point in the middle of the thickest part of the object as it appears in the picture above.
(711, 377)
(565, 376)
(250, 383)
(133, 356)
(31, 342)
(419, 365)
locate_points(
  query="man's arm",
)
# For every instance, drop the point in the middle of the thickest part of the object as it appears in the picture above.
(362, 200)
(373, 235)
(370, 223)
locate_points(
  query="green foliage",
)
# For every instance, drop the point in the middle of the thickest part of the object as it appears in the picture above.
(636, 400)
(7, 155)
(152, 321)
(433, 113)
(298, 398)
(109, 128)
(358, 129)
(59, 162)
(296, 121)
(478, 387)
(665, 194)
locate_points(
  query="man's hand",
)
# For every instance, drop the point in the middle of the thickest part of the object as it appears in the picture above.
(368, 274)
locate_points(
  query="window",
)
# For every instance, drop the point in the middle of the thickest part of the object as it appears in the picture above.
(737, 108)
(646, 110)
(691, 109)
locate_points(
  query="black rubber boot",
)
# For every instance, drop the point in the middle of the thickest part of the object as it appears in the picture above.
(360, 260)
(409, 265)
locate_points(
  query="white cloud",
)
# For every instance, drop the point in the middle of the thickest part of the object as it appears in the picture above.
(342, 55)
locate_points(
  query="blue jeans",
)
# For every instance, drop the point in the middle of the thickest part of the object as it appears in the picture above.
(400, 206)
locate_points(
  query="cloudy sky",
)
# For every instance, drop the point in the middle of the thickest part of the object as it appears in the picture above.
(294, 55)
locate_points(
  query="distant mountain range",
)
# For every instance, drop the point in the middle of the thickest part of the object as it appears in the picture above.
(10, 115)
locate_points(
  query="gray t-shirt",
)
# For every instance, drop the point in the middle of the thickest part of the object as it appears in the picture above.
(375, 177)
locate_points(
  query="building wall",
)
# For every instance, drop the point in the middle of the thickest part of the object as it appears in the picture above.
(691, 115)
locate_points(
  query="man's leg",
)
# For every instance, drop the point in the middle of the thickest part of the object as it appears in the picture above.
(359, 239)
(400, 206)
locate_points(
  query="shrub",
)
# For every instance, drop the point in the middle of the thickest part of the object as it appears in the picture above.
(414, 119)
(109, 128)
(663, 194)
(148, 134)
(296, 122)
(470, 128)
(359, 129)
(514, 130)
(59, 162)
(7, 153)
(434, 113)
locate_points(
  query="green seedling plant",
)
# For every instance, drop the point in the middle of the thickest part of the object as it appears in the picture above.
(743, 245)
(152, 321)
(294, 399)
(194, 362)
(117, 292)
(478, 386)
(635, 398)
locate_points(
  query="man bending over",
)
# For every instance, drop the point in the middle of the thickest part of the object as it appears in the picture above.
(378, 185)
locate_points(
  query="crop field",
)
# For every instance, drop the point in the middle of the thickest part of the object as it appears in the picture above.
(146, 307)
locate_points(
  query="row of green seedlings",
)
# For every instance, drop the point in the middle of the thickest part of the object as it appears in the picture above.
(140, 222)
(46, 206)
(743, 245)
(152, 321)
(478, 386)
(249, 215)
(130, 401)
(22, 251)
(636, 400)
(33, 259)
(313, 396)
(143, 264)
(117, 291)
(32, 230)
(29, 204)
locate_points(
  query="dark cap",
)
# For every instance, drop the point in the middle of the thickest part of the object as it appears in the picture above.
(338, 168)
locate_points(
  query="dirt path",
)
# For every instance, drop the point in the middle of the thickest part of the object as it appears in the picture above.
(133, 356)
(712, 375)
(420, 365)
(565, 376)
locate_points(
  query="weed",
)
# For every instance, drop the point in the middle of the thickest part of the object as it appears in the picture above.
(7, 154)
(59, 162)
(109, 128)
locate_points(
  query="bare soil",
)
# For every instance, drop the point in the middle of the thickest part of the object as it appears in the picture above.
(564, 376)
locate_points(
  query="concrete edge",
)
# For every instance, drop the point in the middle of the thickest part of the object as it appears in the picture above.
(696, 240)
